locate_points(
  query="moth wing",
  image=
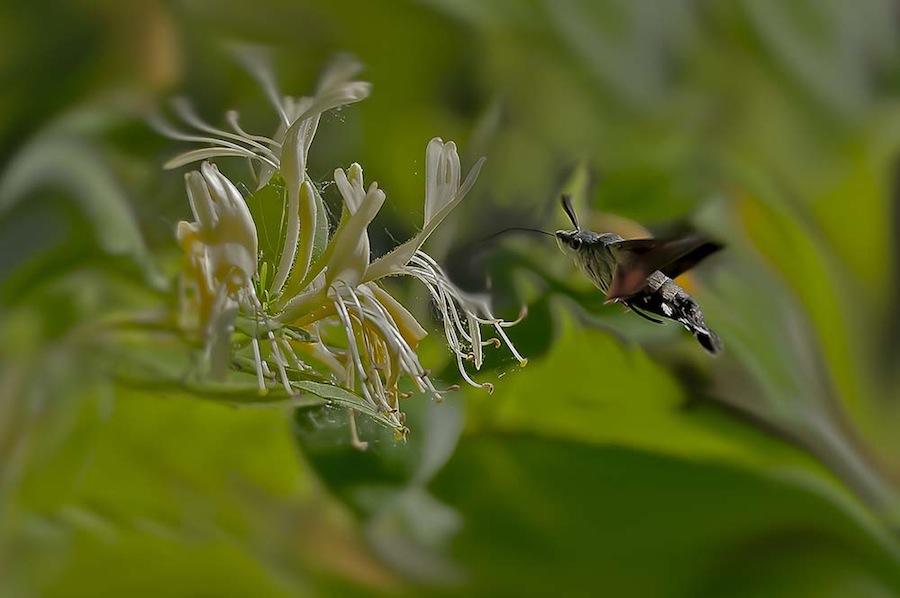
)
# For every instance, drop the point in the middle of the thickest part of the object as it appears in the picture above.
(680, 265)
(637, 259)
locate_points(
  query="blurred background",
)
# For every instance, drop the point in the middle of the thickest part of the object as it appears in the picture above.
(622, 460)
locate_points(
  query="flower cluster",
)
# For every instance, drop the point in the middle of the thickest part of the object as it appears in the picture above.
(316, 310)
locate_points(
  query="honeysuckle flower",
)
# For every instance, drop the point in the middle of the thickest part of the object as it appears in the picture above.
(220, 248)
(322, 314)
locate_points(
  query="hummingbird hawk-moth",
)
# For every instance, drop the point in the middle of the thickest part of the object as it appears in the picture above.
(638, 273)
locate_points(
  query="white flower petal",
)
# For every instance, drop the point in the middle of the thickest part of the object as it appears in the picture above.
(433, 152)
(203, 154)
(231, 203)
(201, 203)
(336, 87)
(225, 223)
(441, 178)
(351, 186)
(342, 68)
(257, 61)
(408, 326)
(350, 256)
(470, 180)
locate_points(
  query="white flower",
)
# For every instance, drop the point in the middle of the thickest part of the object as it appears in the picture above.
(286, 152)
(442, 193)
(224, 226)
(324, 311)
(221, 248)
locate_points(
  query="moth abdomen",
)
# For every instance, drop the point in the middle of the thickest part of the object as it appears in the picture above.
(670, 301)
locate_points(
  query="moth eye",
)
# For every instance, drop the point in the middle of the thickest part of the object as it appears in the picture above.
(576, 243)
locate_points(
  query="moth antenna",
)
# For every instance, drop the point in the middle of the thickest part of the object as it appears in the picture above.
(515, 229)
(569, 210)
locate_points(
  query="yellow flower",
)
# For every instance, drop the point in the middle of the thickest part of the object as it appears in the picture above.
(324, 313)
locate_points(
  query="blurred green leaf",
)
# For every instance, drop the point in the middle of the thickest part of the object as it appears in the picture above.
(593, 388)
(552, 516)
(164, 491)
(67, 157)
(825, 45)
(385, 484)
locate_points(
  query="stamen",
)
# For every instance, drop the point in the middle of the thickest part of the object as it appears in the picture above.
(280, 362)
(232, 117)
(257, 358)
(448, 298)
(512, 349)
(184, 109)
(344, 316)
(409, 359)
(355, 442)
(374, 381)
(289, 351)
(220, 147)
(523, 311)
(475, 334)
(467, 377)
(207, 153)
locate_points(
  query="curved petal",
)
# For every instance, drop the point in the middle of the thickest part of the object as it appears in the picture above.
(351, 187)
(350, 256)
(200, 200)
(224, 223)
(441, 176)
(408, 326)
(392, 262)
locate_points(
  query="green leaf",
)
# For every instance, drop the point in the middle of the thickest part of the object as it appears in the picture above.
(321, 251)
(68, 156)
(211, 495)
(324, 436)
(268, 206)
(593, 388)
(385, 484)
(547, 516)
(320, 241)
(338, 396)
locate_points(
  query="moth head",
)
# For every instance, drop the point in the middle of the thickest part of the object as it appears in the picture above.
(570, 241)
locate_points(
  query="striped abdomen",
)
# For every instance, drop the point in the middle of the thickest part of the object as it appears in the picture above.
(663, 297)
